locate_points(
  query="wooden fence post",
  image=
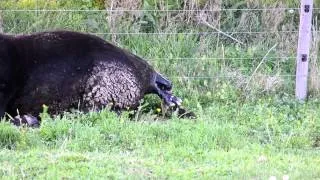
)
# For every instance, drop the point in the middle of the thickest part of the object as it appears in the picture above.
(303, 49)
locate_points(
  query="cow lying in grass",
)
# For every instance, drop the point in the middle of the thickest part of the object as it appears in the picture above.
(64, 70)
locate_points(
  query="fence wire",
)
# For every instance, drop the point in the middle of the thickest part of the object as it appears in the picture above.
(290, 57)
(153, 10)
(217, 76)
(196, 33)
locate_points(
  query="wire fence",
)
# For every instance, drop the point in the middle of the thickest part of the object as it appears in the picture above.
(154, 10)
(277, 31)
(196, 33)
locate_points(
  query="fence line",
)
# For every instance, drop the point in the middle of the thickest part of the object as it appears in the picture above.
(221, 58)
(150, 10)
(218, 58)
(231, 76)
(289, 10)
(195, 33)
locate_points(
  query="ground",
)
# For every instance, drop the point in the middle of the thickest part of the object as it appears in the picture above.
(252, 140)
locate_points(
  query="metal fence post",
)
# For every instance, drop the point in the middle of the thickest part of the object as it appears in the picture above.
(303, 49)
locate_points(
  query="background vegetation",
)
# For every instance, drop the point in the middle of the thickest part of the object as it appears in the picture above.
(249, 124)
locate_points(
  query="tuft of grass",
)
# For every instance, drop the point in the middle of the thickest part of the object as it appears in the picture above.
(9, 135)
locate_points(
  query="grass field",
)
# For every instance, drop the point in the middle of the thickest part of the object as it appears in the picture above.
(253, 140)
(248, 125)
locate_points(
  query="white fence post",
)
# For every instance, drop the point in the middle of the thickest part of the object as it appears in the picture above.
(303, 49)
(1, 23)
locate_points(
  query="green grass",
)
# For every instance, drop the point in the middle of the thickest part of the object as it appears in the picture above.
(267, 137)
